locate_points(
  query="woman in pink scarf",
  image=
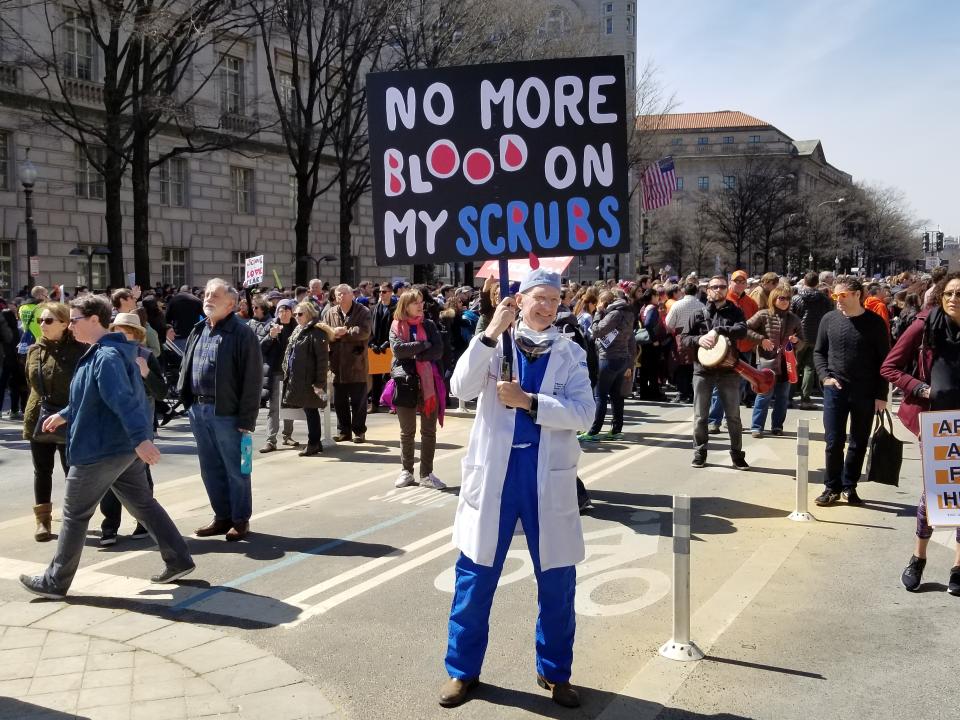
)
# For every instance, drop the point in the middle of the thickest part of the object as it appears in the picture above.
(416, 346)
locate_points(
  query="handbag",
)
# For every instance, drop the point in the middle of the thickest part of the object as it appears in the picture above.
(406, 391)
(886, 453)
(790, 357)
(47, 409)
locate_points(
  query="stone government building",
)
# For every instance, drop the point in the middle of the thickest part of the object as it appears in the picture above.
(208, 212)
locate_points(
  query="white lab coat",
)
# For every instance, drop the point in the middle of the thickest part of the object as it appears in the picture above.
(565, 407)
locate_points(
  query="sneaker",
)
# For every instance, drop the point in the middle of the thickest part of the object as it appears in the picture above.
(405, 479)
(827, 497)
(953, 586)
(108, 538)
(698, 461)
(34, 584)
(588, 437)
(740, 463)
(713, 428)
(291, 442)
(913, 572)
(432, 481)
(359, 438)
(807, 405)
(139, 533)
(170, 575)
(341, 437)
(268, 447)
(757, 433)
(585, 506)
(851, 497)
(612, 436)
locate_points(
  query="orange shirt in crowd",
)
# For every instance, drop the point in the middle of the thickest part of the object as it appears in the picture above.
(878, 306)
(748, 306)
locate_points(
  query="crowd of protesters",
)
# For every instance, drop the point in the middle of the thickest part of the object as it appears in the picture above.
(220, 357)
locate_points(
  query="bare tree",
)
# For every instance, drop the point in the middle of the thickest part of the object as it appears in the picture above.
(878, 227)
(111, 73)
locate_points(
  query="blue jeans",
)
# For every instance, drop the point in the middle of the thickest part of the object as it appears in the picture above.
(780, 393)
(86, 485)
(475, 585)
(218, 449)
(609, 386)
(843, 473)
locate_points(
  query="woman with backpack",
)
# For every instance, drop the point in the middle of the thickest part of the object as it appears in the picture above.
(417, 346)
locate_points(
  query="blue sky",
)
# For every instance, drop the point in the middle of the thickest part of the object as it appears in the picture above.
(877, 81)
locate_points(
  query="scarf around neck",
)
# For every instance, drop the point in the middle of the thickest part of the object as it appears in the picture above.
(424, 367)
(534, 343)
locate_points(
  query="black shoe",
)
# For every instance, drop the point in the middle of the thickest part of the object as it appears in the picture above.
(563, 693)
(851, 497)
(827, 497)
(139, 533)
(913, 572)
(740, 462)
(698, 461)
(310, 451)
(953, 586)
(108, 538)
(170, 575)
(34, 584)
(777, 431)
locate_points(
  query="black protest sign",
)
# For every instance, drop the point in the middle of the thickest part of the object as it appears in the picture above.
(498, 161)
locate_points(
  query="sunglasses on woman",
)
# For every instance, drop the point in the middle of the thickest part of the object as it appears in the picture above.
(47, 321)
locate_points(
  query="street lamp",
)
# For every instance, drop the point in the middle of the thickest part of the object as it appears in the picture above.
(28, 176)
(88, 253)
(810, 261)
(317, 260)
(838, 201)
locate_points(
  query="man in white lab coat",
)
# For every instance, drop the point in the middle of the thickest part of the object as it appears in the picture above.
(521, 463)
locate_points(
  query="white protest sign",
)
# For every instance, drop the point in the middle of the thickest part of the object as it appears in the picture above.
(253, 271)
(940, 442)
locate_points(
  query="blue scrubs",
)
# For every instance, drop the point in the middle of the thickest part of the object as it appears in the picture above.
(476, 584)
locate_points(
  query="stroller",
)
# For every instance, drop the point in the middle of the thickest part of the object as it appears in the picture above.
(169, 408)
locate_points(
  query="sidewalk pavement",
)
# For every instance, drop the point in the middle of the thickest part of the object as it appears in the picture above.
(63, 660)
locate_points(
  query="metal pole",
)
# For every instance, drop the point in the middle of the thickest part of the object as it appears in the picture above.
(680, 647)
(803, 452)
(506, 368)
(32, 250)
(327, 434)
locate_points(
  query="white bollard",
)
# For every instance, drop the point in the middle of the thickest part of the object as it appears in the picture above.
(680, 647)
(801, 514)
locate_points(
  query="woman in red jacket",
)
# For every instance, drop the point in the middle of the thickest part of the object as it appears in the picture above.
(925, 365)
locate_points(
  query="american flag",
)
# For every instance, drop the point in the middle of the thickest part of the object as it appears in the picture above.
(658, 183)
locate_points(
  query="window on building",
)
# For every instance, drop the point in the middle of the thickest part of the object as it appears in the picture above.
(703, 140)
(676, 141)
(728, 139)
(703, 183)
(288, 94)
(679, 182)
(173, 267)
(629, 25)
(608, 7)
(4, 160)
(729, 182)
(6, 264)
(241, 184)
(89, 181)
(557, 23)
(231, 85)
(77, 46)
(98, 277)
(240, 265)
(754, 138)
(629, 7)
(173, 182)
(608, 26)
(293, 194)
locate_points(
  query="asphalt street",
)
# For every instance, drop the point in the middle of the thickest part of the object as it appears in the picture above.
(349, 580)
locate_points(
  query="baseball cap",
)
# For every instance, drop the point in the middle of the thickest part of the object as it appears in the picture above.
(739, 275)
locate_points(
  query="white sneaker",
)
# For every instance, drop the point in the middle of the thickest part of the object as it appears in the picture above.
(432, 481)
(405, 479)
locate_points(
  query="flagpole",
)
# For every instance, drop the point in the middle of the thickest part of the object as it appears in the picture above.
(506, 367)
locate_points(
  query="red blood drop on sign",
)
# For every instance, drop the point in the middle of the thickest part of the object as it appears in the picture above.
(395, 185)
(442, 160)
(580, 233)
(513, 156)
(517, 215)
(478, 166)
(534, 261)
(577, 211)
(394, 162)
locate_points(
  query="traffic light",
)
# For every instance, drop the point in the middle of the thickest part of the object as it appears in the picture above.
(926, 242)
(916, 265)
(644, 248)
(939, 241)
